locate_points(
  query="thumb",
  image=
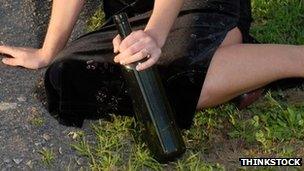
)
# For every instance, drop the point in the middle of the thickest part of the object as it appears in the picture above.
(10, 61)
(116, 42)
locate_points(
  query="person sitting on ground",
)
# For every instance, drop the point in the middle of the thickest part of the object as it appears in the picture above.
(202, 49)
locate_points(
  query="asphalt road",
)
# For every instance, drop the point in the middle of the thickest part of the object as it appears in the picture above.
(25, 126)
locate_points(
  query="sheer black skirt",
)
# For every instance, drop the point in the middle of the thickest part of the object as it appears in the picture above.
(84, 82)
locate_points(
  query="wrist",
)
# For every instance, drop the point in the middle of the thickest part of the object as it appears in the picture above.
(160, 39)
(46, 55)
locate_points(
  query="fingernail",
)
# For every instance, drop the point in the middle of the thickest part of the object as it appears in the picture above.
(122, 62)
(115, 60)
(138, 68)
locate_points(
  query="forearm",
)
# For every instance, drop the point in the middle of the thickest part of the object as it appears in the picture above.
(162, 19)
(63, 18)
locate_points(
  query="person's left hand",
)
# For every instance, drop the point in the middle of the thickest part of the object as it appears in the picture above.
(137, 46)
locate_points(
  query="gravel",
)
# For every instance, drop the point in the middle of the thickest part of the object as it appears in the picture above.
(24, 23)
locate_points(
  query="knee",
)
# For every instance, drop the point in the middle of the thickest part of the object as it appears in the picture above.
(209, 97)
(54, 73)
(52, 84)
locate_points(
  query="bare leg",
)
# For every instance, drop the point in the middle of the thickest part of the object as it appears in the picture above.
(239, 68)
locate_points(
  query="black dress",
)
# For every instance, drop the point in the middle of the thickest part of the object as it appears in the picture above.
(84, 82)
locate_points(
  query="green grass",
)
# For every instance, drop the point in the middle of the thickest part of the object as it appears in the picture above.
(118, 145)
(272, 127)
(37, 121)
(96, 20)
(47, 156)
(279, 21)
(273, 121)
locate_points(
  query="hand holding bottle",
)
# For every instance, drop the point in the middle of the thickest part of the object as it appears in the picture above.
(136, 47)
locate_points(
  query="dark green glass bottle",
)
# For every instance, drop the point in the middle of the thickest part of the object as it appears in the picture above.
(152, 109)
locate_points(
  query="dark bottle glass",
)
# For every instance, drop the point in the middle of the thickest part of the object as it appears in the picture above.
(152, 109)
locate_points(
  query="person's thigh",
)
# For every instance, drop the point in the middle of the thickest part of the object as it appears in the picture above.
(240, 68)
(233, 37)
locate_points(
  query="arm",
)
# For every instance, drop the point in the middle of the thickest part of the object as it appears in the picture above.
(149, 41)
(165, 11)
(63, 18)
(62, 22)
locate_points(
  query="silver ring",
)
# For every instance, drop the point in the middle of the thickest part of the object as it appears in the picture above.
(146, 52)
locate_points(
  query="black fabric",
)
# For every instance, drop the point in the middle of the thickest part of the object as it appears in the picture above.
(234, 8)
(245, 20)
(84, 81)
(134, 7)
(137, 7)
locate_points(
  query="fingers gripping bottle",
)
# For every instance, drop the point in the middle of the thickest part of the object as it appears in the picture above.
(151, 106)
